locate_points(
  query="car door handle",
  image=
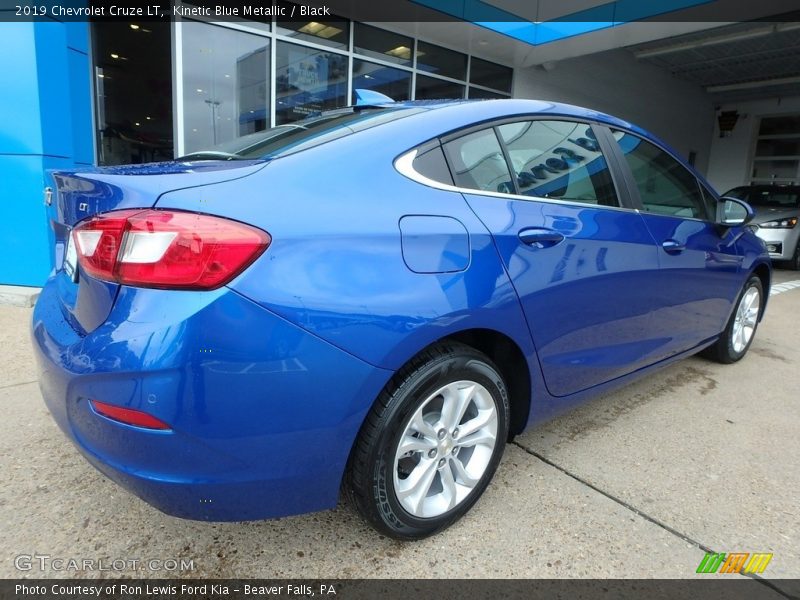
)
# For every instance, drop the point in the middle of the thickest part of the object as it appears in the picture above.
(540, 237)
(673, 246)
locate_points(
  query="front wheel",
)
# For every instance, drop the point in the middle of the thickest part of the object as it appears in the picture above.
(794, 263)
(431, 443)
(741, 329)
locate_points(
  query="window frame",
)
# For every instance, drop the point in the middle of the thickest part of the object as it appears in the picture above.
(633, 187)
(600, 130)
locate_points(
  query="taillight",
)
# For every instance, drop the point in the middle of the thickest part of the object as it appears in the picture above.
(167, 249)
(129, 416)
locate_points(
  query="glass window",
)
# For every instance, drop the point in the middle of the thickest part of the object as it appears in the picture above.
(307, 81)
(394, 83)
(441, 61)
(261, 22)
(432, 165)
(783, 125)
(665, 186)
(430, 88)
(484, 94)
(133, 83)
(382, 44)
(488, 74)
(225, 84)
(558, 159)
(477, 162)
(334, 32)
(768, 196)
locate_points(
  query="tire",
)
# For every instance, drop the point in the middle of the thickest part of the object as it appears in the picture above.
(740, 331)
(443, 470)
(794, 263)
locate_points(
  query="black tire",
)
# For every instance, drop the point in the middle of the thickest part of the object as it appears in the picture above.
(372, 470)
(794, 263)
(724, 350)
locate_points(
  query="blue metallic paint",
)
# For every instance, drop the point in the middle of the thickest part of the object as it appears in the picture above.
(266, 382)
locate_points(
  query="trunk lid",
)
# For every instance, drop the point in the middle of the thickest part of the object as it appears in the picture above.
(77, 195)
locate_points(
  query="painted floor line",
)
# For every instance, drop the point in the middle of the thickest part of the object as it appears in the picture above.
(779, 288)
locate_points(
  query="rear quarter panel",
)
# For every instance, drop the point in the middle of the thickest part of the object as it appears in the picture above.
(336, 267)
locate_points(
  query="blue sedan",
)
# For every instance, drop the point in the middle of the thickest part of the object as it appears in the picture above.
(375, 300)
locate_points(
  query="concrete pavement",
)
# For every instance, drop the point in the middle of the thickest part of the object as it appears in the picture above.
(639, 483)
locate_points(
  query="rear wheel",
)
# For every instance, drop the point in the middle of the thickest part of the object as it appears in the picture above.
(431, 443)
(741, 329)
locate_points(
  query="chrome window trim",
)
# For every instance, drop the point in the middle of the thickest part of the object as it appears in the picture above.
(404, 165)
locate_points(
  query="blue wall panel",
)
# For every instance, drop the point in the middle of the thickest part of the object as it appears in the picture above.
(24, 228)
(20, 132)
(54, 85)
(47, 123)
(81, 108)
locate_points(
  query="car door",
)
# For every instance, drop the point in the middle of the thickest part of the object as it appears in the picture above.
(584, 266)
(699, 264)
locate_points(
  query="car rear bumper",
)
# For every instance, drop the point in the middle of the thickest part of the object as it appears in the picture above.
(263, 414)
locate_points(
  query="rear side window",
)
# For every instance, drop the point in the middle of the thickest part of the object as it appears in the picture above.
(558, 159)
(431, 164)
(665, 186)
(478, 163)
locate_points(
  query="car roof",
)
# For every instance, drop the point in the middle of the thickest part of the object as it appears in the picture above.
(499, 107)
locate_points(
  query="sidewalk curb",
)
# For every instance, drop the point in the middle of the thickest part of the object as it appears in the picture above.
(17, 295)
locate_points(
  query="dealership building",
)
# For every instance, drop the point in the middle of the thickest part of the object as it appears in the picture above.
(724, 95)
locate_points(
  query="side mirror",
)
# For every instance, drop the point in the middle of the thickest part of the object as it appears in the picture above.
(733, 212)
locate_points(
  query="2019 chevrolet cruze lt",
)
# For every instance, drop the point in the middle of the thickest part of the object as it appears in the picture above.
(376, 299)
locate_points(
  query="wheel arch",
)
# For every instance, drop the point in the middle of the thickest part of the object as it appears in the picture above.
(509, 359)
(764, 273)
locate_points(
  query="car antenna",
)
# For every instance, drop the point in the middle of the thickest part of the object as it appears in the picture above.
(371, 98)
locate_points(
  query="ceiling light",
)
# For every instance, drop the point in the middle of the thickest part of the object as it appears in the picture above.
(101, 76)
(115, 56)
(400, 52)
(137, 124)
(199, 91)
(320, 29)
(226, 75)
(312, 27)
(148, 118)
(329, 32)
(134, 26)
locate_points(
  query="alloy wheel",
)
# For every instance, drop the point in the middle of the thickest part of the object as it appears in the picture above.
(746, 319)
(445, 449)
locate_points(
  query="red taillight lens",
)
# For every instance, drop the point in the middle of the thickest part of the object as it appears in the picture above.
(128, 416)
(167, 249)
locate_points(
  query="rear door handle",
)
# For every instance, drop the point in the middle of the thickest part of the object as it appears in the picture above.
(540, 237)
(672, 246)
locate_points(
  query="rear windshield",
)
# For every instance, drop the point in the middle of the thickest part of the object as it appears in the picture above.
(301, 135)
(766, 196)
